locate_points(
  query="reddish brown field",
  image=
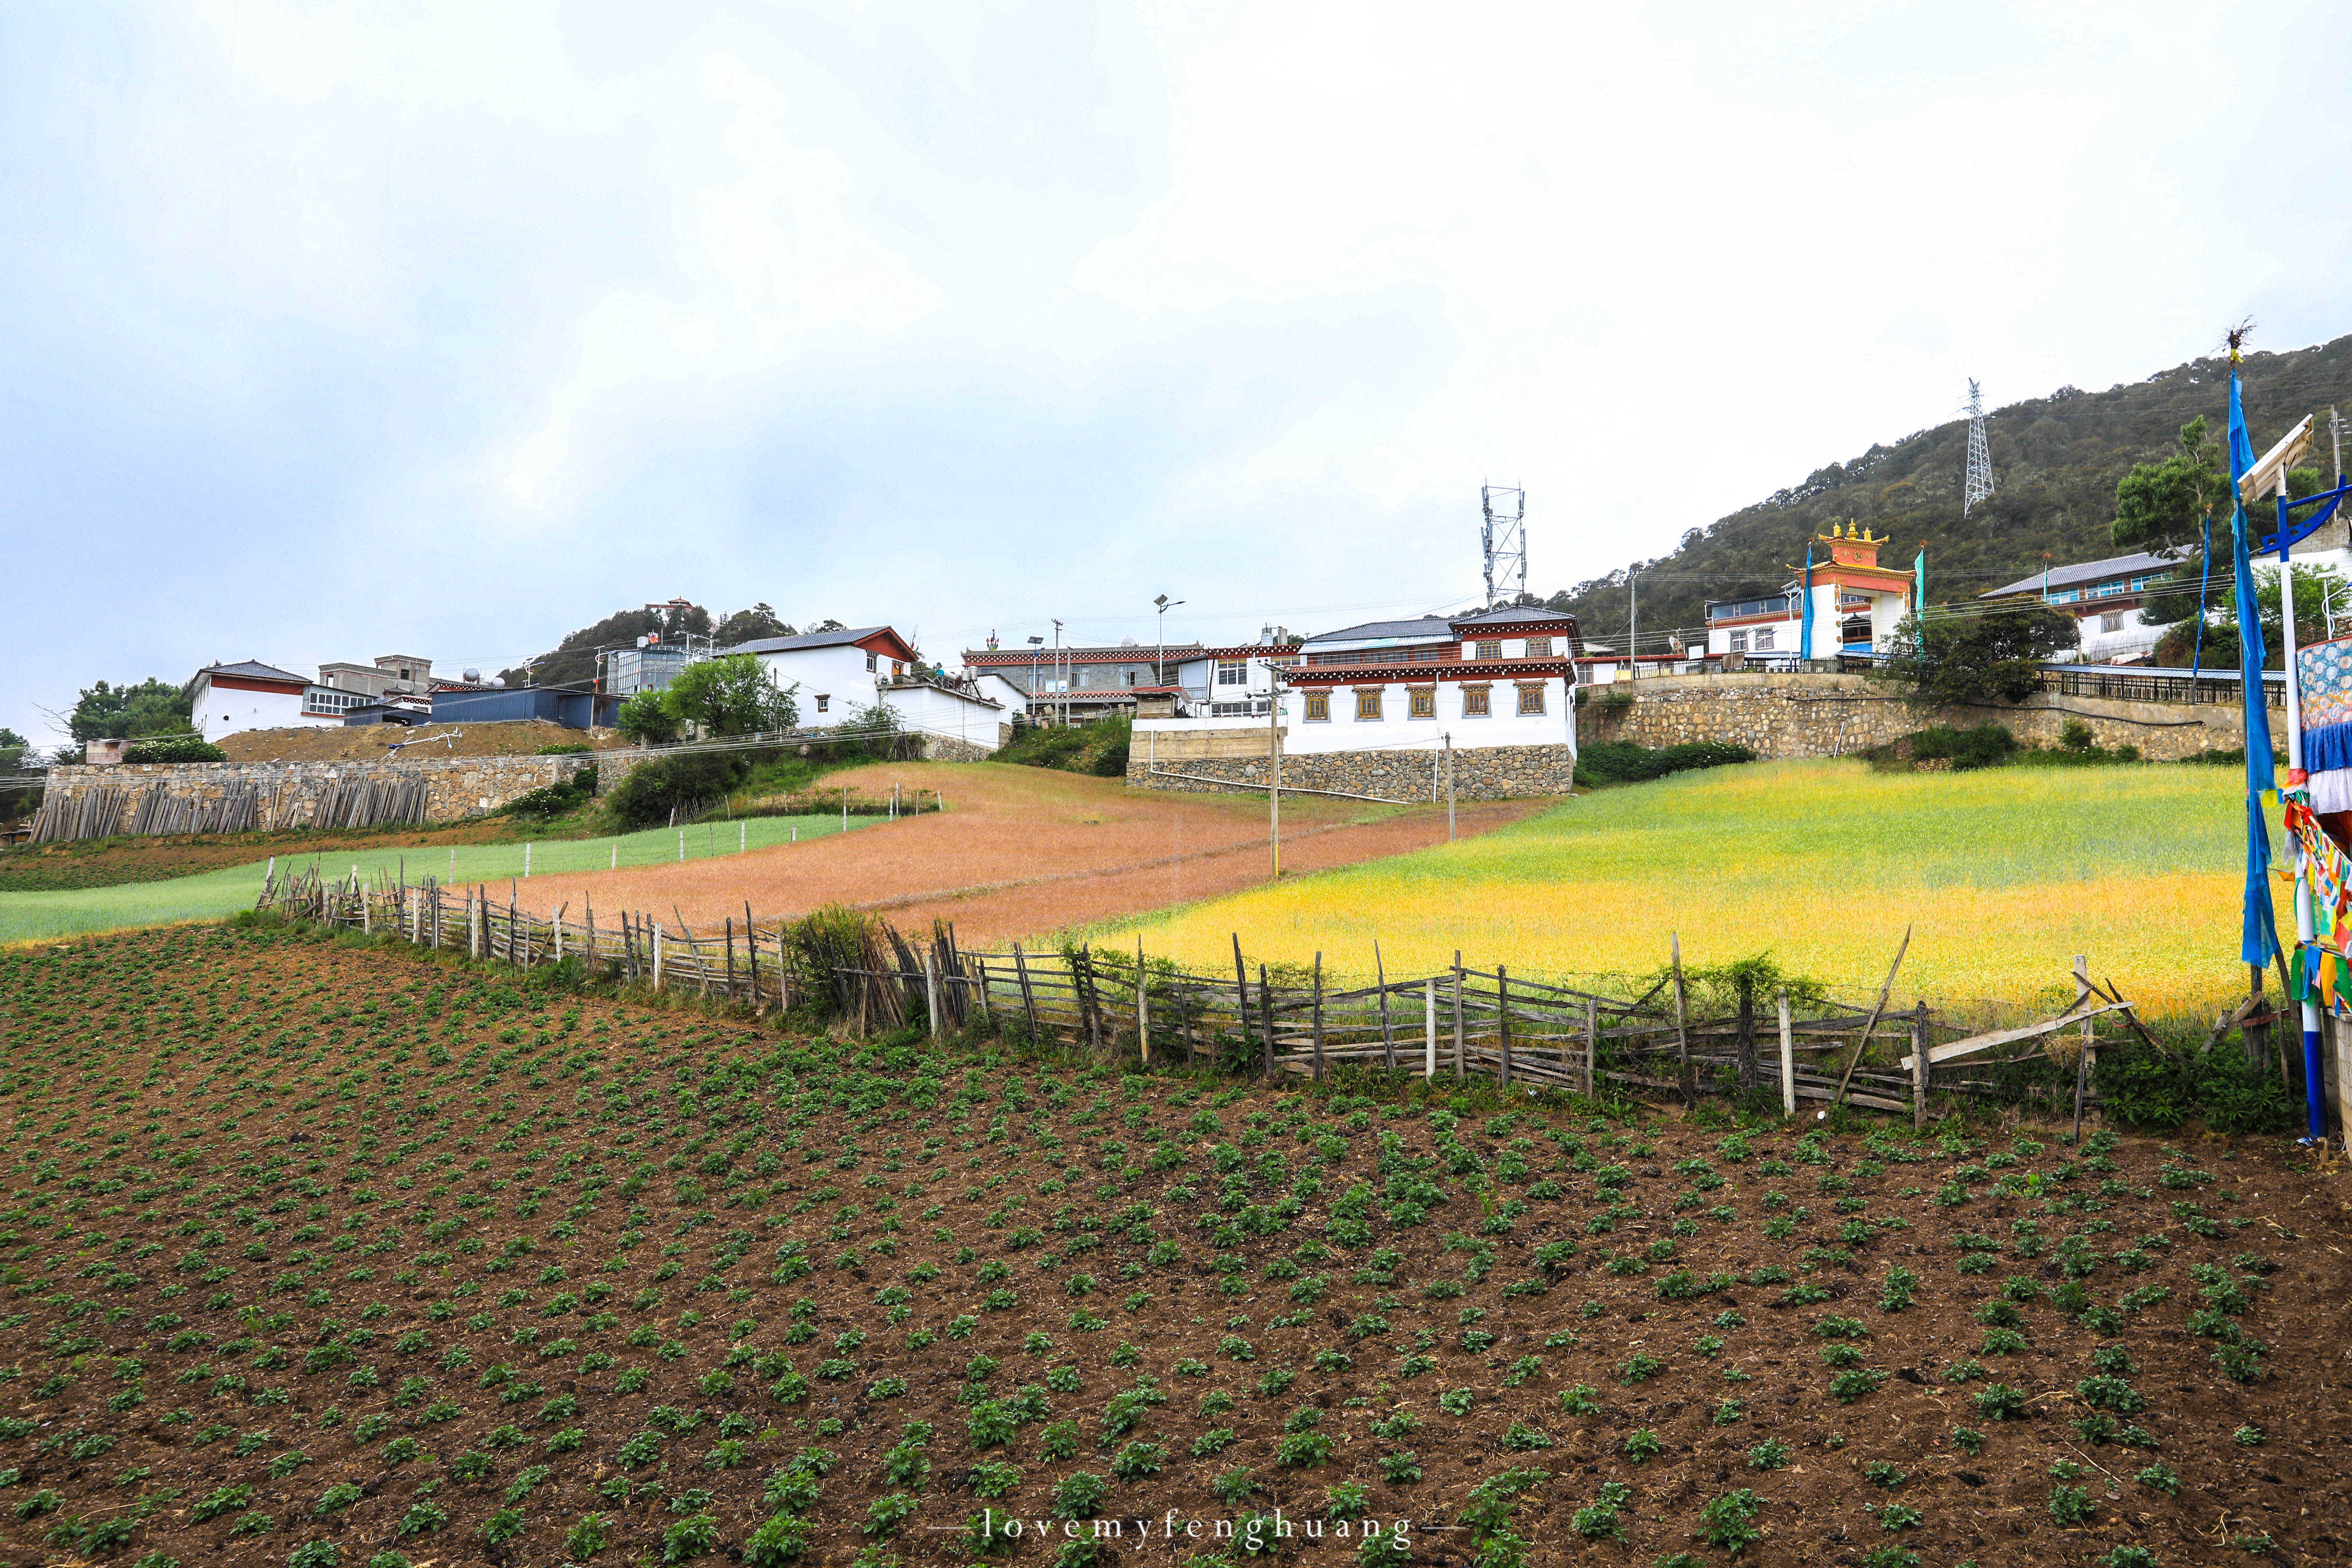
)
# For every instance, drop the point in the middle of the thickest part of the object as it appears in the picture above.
(332, 1258)
(1020, 852)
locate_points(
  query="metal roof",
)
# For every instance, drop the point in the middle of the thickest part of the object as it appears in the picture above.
(1513, 613)
(2084, 571)
(1437, 628)
(807, 639)
(254, 669)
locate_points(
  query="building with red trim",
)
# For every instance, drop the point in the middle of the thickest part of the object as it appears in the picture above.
(1857, 604)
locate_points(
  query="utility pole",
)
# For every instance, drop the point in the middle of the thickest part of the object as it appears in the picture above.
(1059, 676)
(1449, 786)
(1633, 621)
(1273, 778)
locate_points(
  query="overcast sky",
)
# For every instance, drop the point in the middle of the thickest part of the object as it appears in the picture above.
(445, 329)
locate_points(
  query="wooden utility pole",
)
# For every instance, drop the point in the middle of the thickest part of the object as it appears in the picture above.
(1274, 776)
(1449, 786)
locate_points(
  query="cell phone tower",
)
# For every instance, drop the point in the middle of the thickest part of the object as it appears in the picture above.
(1978, 485)
(1504, 541)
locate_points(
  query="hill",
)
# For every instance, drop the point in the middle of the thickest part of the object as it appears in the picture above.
(2056, 460)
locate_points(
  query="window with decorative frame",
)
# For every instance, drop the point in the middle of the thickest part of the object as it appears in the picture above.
(1532, 697)
(1539, 648)
(1318, 706)
(1739, 642)
(1474, 702)
(1490, 647)
(1421, 703)
(1368, 703)
(1763, 638)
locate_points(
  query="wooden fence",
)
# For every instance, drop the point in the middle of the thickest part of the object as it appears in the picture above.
(1459, 1023)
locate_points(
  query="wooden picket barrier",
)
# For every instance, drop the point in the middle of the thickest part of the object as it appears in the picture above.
(1461, 1023)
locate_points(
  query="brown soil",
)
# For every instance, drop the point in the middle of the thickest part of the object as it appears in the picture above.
(362, 742)
(1022, 851)
(339, 1169)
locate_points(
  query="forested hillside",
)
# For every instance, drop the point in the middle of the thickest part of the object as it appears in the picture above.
(2055, 460)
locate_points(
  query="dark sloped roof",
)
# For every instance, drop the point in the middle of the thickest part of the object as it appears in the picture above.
(2085, 572)
(254, 669)
(1518, 614)
(1437, 628)
(810, 639)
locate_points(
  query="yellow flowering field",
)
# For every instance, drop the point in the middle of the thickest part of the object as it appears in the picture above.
(2007, 873)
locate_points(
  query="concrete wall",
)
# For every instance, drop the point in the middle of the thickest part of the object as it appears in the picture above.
(457, 787)
(1835, 715)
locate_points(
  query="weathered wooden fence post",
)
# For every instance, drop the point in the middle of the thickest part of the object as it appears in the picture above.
(1028, 997)
(1319, 1017)
(1682, 1021)
(1240, 995)
(931, 989)
(1788, 1061)
(1142, 1008)
(1919, 1068)
(1429, 1027)
(1503, 1015)
(1388, 1034)
(1457, 1013)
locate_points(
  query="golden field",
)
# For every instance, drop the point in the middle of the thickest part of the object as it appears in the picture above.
(2007, 873)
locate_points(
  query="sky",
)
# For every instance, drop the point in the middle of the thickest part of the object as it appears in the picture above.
(445, 328)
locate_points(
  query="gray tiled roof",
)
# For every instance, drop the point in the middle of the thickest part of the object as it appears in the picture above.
(254, 669)
(2085, 572)
(810, 639)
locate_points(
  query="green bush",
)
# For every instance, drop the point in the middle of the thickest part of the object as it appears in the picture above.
(1099, 748)
(191, 748)
(2158, 1091)
(1986, 746)
(654, 789)
(558, 798)
(1622, 761)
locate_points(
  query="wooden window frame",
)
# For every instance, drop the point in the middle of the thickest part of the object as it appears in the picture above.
(1369, 697)
(1531, 689)
(1319, 708)
(1488, 649)
(1477, 702)
(1539, 648)
(1421, 701)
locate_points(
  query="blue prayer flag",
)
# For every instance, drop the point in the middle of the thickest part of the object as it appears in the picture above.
(2258, 941)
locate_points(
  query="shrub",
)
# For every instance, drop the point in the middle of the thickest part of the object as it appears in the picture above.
(1622, 761)
(190, 748)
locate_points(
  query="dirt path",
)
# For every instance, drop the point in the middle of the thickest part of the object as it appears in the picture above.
(1021, 852)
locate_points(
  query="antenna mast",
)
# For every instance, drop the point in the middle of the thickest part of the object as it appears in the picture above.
(1504, 541)
(1978, 486)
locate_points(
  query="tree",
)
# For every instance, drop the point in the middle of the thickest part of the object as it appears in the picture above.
(744, 626)
(2312, 584)
(115, 712)
(573, 661)
(2163, 506)
(732, 695)
(1978, 659)
(827, 625)
(12, 744)
(646, 720)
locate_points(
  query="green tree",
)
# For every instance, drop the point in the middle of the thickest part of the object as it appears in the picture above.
(2163, 506)
(744, 626)
(646, 719)
(1978, 659)
(114, 713)
(12, 746)
(732, 695)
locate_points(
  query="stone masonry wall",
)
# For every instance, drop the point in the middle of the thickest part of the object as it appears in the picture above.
(458, 788)
(1835, 715)
(1494, 773)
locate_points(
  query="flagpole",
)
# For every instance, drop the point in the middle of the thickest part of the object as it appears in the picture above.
(2305, 926)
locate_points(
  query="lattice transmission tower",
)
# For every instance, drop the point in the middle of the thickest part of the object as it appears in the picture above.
(1978, 485)
(1504, 542)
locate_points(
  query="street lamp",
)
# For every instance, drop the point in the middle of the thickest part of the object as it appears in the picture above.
(1034, 643)
(1060, 676)
(1160, 670)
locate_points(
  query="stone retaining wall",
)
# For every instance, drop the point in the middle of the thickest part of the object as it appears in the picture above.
(456, 787)
(1490, 772)
(950, 749)
(1780, 716)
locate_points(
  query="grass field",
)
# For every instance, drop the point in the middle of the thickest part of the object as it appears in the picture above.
(334, 1258)
(2007, 873)
(31, 916)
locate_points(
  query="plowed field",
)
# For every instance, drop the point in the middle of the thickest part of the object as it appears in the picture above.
(1021, 852)
(329, 1258)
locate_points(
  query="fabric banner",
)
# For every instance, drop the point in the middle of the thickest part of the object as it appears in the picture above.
(2325, 971)
(2258, 940)
(2326, 683)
